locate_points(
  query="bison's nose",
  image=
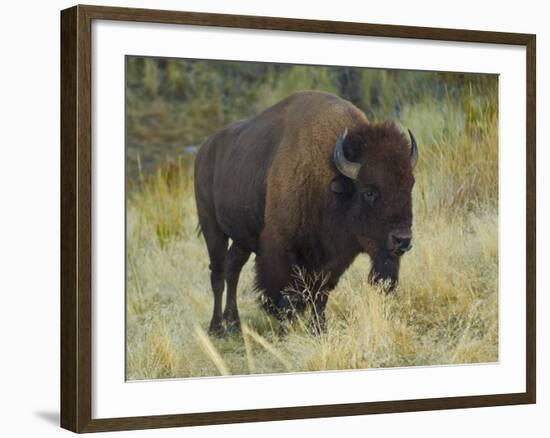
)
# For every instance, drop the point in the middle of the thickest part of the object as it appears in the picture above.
(399, 241)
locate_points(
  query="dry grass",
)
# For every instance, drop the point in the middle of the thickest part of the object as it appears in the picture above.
(445, 310)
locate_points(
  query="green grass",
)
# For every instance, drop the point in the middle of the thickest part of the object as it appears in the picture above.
(444, 311)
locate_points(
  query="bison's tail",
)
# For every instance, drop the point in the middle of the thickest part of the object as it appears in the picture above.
(198, 230)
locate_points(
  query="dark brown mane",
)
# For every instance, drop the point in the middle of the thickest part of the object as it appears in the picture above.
(383, 140)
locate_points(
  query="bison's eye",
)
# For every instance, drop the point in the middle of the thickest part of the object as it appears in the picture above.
(370, 196)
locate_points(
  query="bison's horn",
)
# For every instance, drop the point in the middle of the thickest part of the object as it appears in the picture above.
(346, 167)
(414, 150)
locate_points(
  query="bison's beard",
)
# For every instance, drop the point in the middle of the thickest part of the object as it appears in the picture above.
(385, 270)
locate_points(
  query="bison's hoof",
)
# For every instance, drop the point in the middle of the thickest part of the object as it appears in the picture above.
(216, 330)
(286, 308)
(233, 327)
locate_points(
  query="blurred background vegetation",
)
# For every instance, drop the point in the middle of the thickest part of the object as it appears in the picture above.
(173, 105)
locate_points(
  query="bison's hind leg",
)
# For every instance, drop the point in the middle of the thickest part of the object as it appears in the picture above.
(216, 243)
(236, 258)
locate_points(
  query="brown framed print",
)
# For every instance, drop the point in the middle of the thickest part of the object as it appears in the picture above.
(340, 215)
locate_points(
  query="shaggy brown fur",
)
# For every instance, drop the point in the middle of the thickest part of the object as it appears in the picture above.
(269, 183)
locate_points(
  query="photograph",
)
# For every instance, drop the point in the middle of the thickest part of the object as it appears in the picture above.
(288, 218)
(266, 219)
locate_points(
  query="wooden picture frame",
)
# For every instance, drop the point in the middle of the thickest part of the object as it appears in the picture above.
(76, 218)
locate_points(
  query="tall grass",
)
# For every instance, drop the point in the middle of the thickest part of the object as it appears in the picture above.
(444, 311)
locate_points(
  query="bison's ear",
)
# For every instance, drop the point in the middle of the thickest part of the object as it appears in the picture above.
(341, 185)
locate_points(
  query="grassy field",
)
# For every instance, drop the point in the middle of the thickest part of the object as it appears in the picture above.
(444, 311)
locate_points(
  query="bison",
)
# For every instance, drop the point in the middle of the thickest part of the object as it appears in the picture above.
(307, 184)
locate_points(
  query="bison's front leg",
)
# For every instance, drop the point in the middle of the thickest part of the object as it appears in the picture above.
(273, 269)
(273, 276)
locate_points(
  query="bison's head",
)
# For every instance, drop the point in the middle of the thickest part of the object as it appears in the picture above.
(374, 190)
